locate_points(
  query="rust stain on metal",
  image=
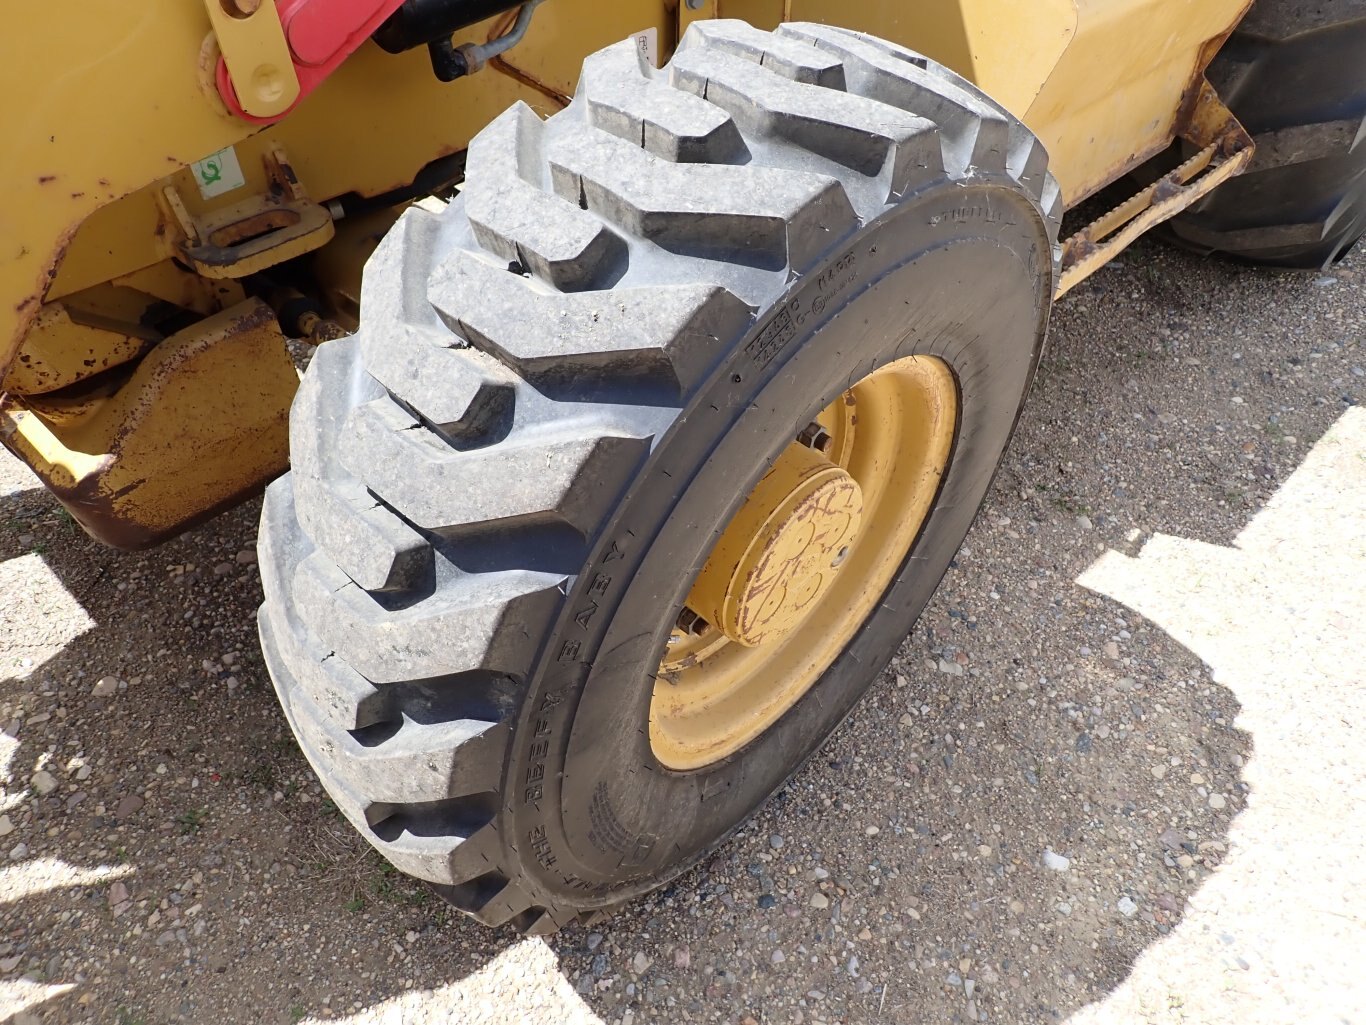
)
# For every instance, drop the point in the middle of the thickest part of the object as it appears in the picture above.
(27, 308)
(1225, 150)
(181, 438)
(531, 81)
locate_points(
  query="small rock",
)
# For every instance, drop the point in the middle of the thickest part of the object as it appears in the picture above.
(1127, 907)
(778, 957)
(105, 687)
(950, 668)
(776, 842)
(130, 805)
(20, 850)
(954, 979)
(118, 893)
(1112, 650)
(8, 964)
(83, 773)
(682, 957)
(221, 570)
(245, 557)
(820, 901)
(819, 873)
(1064, 909)
(44, 782)
(1159, 771)
(594, 939)
(766, 901)
(1084, 522)
(871, 831)
(1083, 743)
(1185, 861)
(1217, 802)
(6, 826)
(1055, 861)
(969, 987)
(1171, 840)
(639, 963)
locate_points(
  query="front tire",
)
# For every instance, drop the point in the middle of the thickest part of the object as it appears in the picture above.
(564, 387)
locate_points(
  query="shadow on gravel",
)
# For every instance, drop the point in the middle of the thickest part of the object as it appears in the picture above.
(168, 857)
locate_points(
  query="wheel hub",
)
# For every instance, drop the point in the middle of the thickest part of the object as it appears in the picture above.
(782, 551)
(803, 562)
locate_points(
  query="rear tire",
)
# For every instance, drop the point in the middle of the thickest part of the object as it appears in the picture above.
(1295, 75)
(562, 388)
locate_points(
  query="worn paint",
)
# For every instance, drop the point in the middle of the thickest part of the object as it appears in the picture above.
(186, 436)
(1225, 149)
(1103, 82)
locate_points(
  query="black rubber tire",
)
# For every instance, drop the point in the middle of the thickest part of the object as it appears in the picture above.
(1294, 72)
(561, 389)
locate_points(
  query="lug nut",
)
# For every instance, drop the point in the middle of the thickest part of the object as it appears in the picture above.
(814, 436)
(692, 624)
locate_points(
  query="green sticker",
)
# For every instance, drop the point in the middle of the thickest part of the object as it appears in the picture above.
(218, 173)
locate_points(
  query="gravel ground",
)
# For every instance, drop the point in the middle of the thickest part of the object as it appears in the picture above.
(1115, 774)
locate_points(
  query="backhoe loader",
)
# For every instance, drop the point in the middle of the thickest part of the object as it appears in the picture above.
(659, 354)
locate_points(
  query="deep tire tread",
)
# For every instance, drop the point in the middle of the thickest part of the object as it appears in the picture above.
(512, 371)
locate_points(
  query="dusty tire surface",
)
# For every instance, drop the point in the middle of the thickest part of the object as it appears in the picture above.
(563, 386)
(1295, 75)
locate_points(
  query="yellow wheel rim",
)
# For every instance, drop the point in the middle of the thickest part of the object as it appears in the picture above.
(804, 562)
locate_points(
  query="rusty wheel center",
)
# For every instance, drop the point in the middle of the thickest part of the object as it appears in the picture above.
(782, 550)
(804, 562)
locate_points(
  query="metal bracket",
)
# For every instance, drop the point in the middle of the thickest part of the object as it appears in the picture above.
(276, 52)
(256, 54)
(258, 232)
(1224, 150)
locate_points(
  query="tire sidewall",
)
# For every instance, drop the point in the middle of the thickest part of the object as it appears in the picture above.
(963, 272)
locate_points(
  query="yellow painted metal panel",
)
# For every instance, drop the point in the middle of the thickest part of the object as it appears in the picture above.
(90, 115)
(1101, 82)
(764, 14)
(92, 118)
(933, 27)
(1121, 84)
(1016, 47)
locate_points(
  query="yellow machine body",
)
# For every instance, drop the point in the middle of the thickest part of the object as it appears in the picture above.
(142, 376)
